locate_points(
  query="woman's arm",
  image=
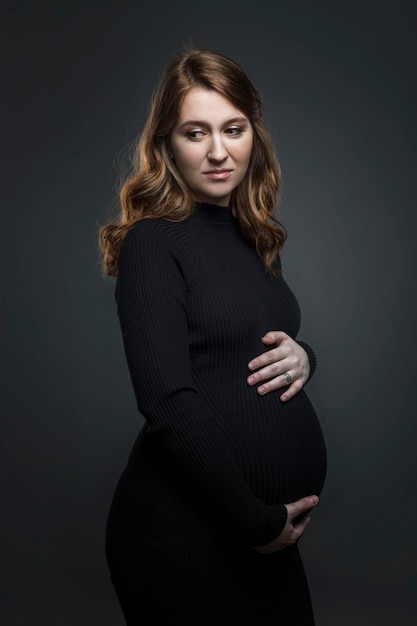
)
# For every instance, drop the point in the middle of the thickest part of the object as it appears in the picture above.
(151, 299)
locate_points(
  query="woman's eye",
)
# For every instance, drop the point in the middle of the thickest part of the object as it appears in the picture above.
(234, 130)
(195, 134)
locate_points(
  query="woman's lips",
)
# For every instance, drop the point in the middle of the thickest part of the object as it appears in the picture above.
(218, 174)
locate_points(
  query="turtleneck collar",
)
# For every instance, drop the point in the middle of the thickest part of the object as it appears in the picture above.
(213, 214)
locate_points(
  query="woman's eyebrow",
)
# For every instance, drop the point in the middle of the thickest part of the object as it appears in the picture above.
(234, 120)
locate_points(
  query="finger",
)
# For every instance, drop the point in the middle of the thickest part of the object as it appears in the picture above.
(270, 356)
(274, 384)
(301, 506)
(288, 379)
(292, 390)
(281, 359)
(274, 336)
(276, 370)
(301, 526)
(284, 348)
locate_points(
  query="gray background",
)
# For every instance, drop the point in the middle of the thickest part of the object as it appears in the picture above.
(338, 81)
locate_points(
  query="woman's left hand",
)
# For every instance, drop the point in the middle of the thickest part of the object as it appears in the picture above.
(286, 364)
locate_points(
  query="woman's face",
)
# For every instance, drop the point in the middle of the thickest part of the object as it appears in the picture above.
(211, 144)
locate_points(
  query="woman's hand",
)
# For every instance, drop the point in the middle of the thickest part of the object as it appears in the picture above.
(286, 364)
(295, 526)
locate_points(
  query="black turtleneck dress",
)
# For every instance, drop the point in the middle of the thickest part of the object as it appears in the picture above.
(214, 464)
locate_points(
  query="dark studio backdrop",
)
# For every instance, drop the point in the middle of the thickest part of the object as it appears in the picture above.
(338, 81)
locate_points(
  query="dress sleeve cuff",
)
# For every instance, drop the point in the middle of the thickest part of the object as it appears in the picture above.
(277, 517)
(311, 357)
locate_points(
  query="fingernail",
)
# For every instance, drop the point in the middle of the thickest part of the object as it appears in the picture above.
(251, 366)
(251, 381)
(261, 390)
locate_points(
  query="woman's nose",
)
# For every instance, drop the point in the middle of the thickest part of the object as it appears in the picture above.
(217, 151)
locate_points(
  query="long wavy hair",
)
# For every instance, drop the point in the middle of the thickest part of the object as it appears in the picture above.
(155, 188)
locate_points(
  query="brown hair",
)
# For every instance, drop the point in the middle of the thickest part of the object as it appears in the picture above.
(154, 188)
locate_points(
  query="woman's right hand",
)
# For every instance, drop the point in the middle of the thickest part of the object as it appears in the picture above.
(297, 520)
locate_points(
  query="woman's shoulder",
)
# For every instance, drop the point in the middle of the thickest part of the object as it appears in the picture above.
(155, 231)
(154, 227)
(157, 241)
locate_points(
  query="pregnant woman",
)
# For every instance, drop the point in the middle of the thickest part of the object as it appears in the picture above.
(205, 520)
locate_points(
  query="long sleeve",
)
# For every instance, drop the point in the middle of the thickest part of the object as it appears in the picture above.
(154, 276)
(311, 357)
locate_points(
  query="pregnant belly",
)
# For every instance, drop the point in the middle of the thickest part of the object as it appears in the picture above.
(280, 449)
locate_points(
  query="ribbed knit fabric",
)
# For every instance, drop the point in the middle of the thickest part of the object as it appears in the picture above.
(215, 462)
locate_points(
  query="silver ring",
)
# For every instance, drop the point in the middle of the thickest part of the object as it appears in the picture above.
(287, 377)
